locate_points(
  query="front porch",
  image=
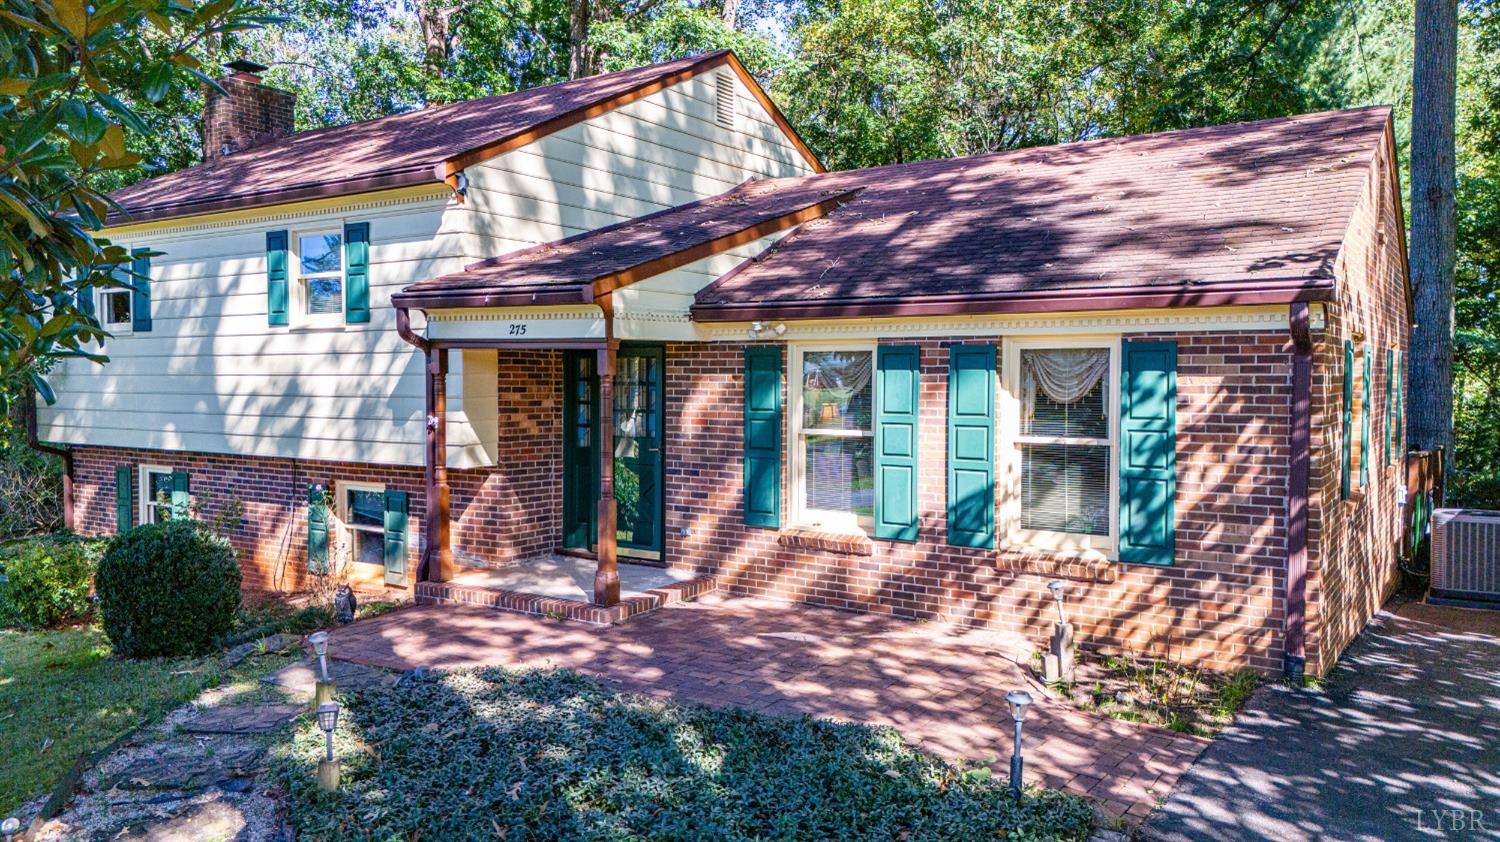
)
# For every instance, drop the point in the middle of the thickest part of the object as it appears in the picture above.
(562, 586)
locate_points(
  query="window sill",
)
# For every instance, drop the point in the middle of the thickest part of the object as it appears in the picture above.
(1091, 567)
(816, 538)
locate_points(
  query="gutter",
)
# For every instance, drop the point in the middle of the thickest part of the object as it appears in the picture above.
(1294, 657)
(1024, 301)
(63, 453)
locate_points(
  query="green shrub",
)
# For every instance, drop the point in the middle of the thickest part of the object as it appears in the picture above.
(167, 589)
(48, 581)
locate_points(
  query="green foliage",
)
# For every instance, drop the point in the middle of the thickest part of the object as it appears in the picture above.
(49, 580)
(552, 755)
(167, 589)
(64, 68)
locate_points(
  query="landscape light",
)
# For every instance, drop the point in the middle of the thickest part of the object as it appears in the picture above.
(1018, 699)
(10, 827)
(319, 641)
(1056, 586)
(328, 767)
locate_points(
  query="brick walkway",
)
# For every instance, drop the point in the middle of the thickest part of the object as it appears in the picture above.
(942, 687)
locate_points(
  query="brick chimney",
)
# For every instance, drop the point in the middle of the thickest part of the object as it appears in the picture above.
(246, 115)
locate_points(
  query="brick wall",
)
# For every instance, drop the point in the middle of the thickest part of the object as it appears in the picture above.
(247, 114)
(1219, 605)
(499, 515)
(1352, 563)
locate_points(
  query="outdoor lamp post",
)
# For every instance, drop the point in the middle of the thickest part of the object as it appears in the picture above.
(1018, 699)
(1056, 586)
(328, 767)
(324, 690)
(9, 828)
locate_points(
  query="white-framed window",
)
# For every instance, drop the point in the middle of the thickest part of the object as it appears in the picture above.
(832, 435)
(361, 509)
(1061, 437)
(155, 494)
(113, 308)
(318, 282)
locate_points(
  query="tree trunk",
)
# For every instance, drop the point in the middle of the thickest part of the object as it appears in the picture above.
(579, 65)
(437, 40)
(731, 11)
(1430, 401)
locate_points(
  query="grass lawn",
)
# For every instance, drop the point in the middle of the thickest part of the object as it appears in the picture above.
(543, 755)
(61, 694)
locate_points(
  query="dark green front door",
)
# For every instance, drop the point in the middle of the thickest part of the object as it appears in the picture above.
(580, 449)
(638, 394)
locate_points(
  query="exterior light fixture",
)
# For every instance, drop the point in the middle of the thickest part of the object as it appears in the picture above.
(1056, 586)
(10, 827)
(780, 329)
(328, 767)
(319, 641)
(1018, 699)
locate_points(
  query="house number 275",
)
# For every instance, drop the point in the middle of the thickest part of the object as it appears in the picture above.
(517, 330)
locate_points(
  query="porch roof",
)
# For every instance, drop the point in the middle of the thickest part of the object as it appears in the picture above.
(577, 269)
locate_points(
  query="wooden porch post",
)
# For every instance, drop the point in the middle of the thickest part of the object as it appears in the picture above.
(607, 574)
(437, 556)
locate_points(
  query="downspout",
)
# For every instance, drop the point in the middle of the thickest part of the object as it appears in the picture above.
(63, 453)
(1294, 659)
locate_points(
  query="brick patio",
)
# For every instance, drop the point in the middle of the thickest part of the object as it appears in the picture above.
(943, 687)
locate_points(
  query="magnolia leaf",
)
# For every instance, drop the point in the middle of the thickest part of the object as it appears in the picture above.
(14, 87)
(84, 154)
(82, 123)
(129, 159)
(113, 142)
(131, 120)
(72, 15)
(157, 82)
(43, 389)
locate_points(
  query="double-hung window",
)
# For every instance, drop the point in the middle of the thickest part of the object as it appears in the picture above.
(362, 509)
(156, 494)
(319, 262)
(1063, 443)
(833, 436)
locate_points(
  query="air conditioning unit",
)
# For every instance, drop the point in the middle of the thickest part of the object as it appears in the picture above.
(1466, 555)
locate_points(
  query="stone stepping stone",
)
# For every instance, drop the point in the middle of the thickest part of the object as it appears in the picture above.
(242, 719)
(272, 643)
(216, 819)
(300, 679)
(187, 770)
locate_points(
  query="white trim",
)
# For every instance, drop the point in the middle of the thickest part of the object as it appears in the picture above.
(143, 491)
(801, 516)
(1089, 546)
(1186, 319)
(270, 215)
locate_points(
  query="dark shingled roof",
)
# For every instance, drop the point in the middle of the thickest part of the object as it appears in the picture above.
(566, 270)
(392, 151)
(1253, 212)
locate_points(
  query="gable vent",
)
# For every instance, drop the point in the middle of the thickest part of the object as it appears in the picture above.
(724, 100)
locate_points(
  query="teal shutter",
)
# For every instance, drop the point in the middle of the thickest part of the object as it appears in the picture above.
(317, 530)
(357, 272)
(1347, 422)
(276, 278)
(897, 382)
(395, 537)
(181, 496)
(971, 446)
(1400, 408)
(1148, 452)
(124, 499)
(140, 298)
(1366, 391)
(763, 437)
(1390, 406)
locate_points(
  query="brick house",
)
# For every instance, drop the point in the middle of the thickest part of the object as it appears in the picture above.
(1164, 368)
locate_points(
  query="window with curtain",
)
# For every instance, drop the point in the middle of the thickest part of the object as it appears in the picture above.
(834, 436)
(1064, 440)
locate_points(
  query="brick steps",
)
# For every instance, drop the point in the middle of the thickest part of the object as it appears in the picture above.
(520, 602)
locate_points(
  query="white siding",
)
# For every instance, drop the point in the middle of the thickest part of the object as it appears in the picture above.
(213, 376)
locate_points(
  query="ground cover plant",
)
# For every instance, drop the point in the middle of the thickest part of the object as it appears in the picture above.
(63, 693)
(1159, 692)
(545, 754)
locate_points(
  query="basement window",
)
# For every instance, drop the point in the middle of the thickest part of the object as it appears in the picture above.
(362, 509)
